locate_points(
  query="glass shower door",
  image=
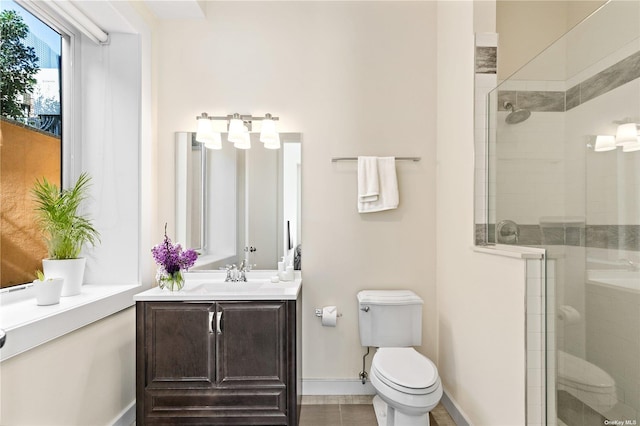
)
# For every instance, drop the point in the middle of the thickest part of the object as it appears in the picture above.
(554, 184)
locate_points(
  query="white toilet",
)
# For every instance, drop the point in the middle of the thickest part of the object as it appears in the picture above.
(586, 382)
(406, 382)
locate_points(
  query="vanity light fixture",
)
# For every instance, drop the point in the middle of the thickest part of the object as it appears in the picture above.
(605, 143)
(239, 128)
(205, 133)
(242, 139)
(627, 134)
(268, 133)
(631, 147)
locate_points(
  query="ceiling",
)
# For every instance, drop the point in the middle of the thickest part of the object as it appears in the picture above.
(106, 15)
(177, 9)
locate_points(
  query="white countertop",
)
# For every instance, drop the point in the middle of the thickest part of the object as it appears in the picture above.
(210, 286)
(627, 280)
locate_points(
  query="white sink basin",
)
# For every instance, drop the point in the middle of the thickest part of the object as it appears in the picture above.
(233, 287)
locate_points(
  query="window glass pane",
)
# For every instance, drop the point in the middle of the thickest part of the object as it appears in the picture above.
(30, 59)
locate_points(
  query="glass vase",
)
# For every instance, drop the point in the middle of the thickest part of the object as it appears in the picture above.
(172, 282)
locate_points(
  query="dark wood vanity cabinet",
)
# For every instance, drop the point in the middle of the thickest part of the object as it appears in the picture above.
(218, 363)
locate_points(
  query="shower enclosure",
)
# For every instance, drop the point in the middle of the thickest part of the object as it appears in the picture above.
(564, 176)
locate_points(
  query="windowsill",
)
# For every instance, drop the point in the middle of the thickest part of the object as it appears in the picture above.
(28, 325)
(517, 252)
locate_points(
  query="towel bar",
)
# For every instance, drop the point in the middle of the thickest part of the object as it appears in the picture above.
(336, 159)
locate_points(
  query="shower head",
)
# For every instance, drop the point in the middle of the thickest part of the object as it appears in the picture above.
(516, 115)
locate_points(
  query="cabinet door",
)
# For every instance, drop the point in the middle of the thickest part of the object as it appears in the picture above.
(251, 344)
(179, 345)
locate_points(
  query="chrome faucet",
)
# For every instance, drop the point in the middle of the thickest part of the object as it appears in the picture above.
(237, 274)
(630, 264)
(244, 268)
(232, 273)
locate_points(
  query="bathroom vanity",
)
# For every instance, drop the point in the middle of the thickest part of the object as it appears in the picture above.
(219, 353)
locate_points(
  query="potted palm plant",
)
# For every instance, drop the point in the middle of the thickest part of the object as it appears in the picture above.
(65, 230)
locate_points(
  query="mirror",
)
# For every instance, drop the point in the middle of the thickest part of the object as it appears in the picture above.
(234, 204)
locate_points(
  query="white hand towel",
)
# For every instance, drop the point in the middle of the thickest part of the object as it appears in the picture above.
(388, 196)
(368, 179)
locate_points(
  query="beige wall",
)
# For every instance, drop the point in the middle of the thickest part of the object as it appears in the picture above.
(355, 78)
(480, 297)
(83, 378)
(527, 27)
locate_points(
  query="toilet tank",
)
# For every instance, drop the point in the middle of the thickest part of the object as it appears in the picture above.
(390, 318)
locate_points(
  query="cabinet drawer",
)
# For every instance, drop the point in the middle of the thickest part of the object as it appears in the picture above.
(225, 407)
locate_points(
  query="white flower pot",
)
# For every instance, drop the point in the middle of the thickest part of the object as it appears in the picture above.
(48, 291)
(72, 270)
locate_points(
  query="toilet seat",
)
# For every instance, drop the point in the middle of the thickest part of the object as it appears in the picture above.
(405, 370)
(406, 380)
(586, 382)
(583, 375)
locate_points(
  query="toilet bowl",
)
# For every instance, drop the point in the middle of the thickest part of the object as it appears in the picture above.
(586, 382)
(407, 386)
(406, 383)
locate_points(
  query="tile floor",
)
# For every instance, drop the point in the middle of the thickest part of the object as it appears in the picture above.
(352, 410)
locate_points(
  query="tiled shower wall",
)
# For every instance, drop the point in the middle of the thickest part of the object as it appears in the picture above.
(540, 178)
(485, 81)
(535, 334)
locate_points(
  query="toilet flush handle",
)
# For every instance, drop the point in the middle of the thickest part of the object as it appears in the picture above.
(365, 308)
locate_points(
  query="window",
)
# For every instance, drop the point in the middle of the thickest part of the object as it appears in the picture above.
(31, 120)
(102, 135)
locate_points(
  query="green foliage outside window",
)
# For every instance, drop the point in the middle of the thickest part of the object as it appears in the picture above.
(18, 64)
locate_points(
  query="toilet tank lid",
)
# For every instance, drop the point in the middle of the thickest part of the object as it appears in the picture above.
(389, 297)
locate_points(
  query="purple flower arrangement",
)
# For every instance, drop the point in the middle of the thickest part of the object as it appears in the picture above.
(171, 260)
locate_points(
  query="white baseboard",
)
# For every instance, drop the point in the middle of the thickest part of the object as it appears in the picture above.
(454, 410)
(336, 387)
(127, 417)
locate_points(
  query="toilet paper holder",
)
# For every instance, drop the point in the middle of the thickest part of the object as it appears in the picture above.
(328, 315)
(319, 313)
